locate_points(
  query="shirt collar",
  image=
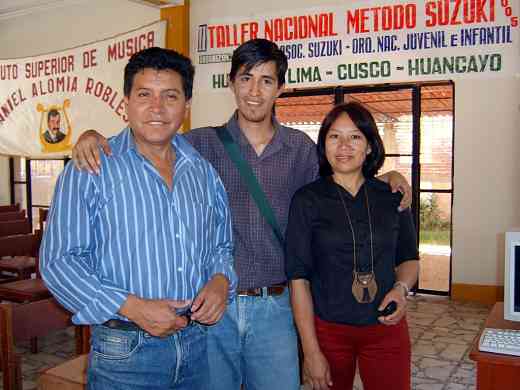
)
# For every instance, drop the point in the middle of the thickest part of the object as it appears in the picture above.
(281, 135)
(125, 142)
(371, 184)
(51, 135)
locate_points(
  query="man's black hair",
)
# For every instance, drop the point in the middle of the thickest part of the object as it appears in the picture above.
(256, 52)
(160, 59)
(52, 113)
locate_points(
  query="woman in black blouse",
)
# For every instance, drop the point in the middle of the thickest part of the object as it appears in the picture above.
(350, 252)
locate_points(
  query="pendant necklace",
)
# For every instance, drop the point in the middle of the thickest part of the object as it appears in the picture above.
(364, 286)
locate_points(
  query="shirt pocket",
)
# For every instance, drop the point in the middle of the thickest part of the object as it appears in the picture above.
(203, 227)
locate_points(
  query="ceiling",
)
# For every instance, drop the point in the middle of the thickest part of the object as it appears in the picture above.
(436, 100)
(14, 8)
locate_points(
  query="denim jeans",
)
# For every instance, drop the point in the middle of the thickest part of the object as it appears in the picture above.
(255, 344)
(124, 360)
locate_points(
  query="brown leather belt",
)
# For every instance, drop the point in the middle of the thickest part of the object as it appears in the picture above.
(127, 325)
(276, 289)
(122, 325)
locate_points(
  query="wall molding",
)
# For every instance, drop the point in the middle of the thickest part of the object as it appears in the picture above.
(477, 293)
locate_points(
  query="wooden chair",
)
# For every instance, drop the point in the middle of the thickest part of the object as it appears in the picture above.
(26, 290)
(10, 228)
(12, 215)
(11, 207)
(43, 213)
(17, 256)
(27, 321)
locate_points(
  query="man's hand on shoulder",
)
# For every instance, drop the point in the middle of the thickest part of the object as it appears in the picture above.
(85, 153)
(155, 316)
(209, 305)
(398, 182)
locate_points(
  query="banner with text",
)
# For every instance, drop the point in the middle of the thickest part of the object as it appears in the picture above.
(372, 41)
(48, 100)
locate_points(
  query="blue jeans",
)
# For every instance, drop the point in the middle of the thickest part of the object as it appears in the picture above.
(255, 344)
(125, 360)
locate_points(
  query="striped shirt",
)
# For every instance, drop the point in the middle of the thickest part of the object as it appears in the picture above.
(124, 232)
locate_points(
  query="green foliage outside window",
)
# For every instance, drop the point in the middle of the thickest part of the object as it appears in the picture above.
(435, 229)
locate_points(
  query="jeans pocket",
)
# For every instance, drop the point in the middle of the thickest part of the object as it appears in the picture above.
(202, 328)
(114, 344)
(281, 302)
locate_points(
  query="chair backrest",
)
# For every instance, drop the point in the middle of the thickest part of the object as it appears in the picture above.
(10, 228)
(12, 215)
(20, 245)
(23, 322)
(11, 207)
(43, 217)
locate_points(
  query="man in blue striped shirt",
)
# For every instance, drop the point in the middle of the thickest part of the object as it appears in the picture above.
(138, 249)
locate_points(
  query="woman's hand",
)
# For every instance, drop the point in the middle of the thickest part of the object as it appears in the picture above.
(85, 154)
(398, 295)
(316, 371)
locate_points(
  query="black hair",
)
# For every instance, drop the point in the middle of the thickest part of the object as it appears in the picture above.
(365, 122)
(52, 112)
(160, 59)
(256, 52)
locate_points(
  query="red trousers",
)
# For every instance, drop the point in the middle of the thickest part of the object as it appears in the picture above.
(383, 353)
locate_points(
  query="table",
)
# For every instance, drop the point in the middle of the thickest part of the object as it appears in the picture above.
(496, 371)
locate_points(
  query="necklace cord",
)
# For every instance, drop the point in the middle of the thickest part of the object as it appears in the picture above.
(353, 232)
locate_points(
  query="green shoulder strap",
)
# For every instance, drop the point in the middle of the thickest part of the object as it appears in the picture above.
(248, 176)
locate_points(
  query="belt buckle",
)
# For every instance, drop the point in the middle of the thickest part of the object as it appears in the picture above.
(264, 292)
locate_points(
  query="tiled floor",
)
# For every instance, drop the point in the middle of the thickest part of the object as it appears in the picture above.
(442, 332)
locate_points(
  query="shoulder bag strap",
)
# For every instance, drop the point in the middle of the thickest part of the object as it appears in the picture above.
(249, 178)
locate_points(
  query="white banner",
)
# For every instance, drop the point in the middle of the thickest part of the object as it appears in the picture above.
(372, 41)
(48, 100)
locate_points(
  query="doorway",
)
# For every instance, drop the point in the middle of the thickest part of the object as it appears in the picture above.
(33, 182)
(416, 124)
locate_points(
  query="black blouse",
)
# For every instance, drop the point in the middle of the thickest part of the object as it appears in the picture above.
(319, 245)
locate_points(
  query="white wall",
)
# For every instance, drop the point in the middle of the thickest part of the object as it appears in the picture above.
(487, 177)
(487, 161)
(75, 23)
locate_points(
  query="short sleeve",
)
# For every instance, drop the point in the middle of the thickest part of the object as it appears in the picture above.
(298, 243)
(407, 240)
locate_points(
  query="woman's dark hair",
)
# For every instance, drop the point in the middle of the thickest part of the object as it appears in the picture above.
(365, 122)
(160, 59)
(256, 52)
